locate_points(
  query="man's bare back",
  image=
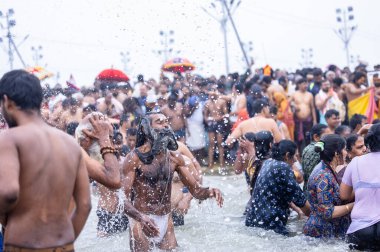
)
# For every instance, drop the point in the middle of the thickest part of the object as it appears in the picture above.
(255, 124)
(48, 164)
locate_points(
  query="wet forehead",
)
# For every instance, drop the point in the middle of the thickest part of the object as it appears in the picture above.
(157, 118)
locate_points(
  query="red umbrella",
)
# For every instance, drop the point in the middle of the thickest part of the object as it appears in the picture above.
(178, 65)
(112, 75)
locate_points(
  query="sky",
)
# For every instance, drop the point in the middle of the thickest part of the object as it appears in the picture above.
(83, 37)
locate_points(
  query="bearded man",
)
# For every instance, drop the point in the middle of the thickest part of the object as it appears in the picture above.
(148, 171)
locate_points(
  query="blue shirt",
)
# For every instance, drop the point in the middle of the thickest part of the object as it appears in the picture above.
(275, 189)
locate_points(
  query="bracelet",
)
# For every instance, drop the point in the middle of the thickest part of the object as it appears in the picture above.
(108, 151)
(107, 148)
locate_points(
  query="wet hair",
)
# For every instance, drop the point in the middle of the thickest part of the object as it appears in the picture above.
(250, 136)
(66, 103)
(332, 144)
(330, 113)
(258, 105)
(341, 129)
(71, 127)
(351, 140)
(263, 143)
(357, 76)
(131, 132)
(317, 129)
(280, 149)
(356, 120)
(23, 88)
(372, 140)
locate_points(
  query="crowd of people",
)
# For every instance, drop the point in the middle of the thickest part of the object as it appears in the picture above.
(306, 141)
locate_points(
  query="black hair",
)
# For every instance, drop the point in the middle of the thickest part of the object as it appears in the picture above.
(300, 81)
(356, 120)
(341, 129)
(332, 144)
(266, 80)
(273, 110)
(263, 144)
(258, 105)
(130, 104)
(23, 88)
(282, 79)
(280, 149)
(66, 103)
(372, 140)
(71, 127)
(131, 132)
(317, 129)
(338, 81)
(317, 72)
(357, 76)
(239, 88)
(376, 121)
(351, 140)
(250, 136)
(330, 113)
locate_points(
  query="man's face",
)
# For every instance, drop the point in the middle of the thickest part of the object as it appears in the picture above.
(213, 92)
(172, 103)
(159, 121)
(143, 91)
(163, 89)
(325, 86)
(358, 149)
(303, 86)
(131, 142)
(333, 121)
(361, 81)
(318, 78)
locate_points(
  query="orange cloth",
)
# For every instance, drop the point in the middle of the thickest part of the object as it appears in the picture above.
(241, 116)
(284, 112)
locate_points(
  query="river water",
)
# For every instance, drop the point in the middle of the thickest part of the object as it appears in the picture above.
(210, 228)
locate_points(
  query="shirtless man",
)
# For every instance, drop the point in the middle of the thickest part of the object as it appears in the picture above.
(102, 150)
(261, 121)
(215, 114)
(41, 169)
(73, 114)
(174, 112)
(148, 170)
(354, 90)
(305, 116)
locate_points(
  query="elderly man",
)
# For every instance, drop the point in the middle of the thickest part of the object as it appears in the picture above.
(101, 149)
(42, 170)
(148, 171)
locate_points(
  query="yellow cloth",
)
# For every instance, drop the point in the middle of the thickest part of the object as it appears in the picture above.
(360, 106)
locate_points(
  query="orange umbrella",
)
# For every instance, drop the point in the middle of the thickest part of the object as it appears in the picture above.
(178, 65)
(40, 72)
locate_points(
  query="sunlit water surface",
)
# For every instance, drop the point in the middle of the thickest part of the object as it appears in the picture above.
(210, 228)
